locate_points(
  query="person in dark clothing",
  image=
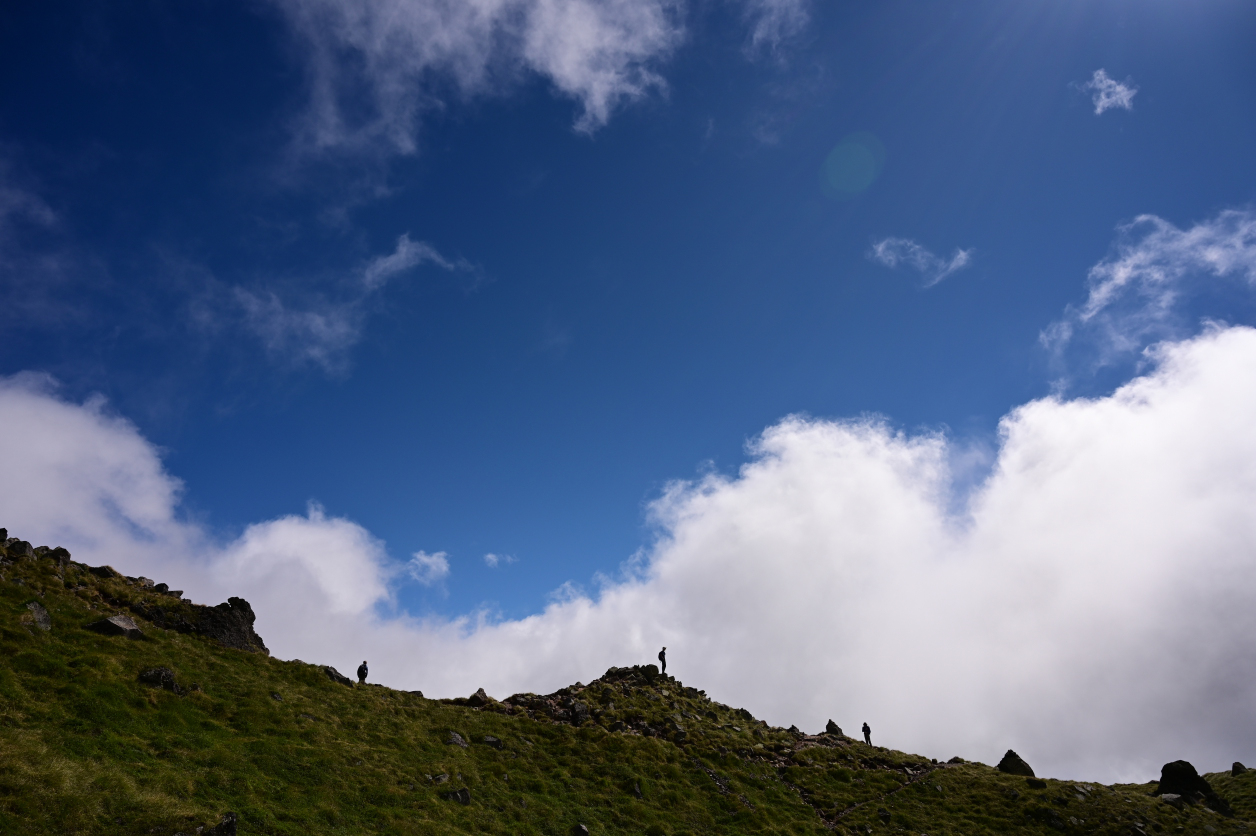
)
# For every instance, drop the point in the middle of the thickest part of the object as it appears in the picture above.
(867, 734)
(663, 659)
(362, 673)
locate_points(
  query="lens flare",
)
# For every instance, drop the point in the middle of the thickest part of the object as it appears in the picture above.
(853, 165)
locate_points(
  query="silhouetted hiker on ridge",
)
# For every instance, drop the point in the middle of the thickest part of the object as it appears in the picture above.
(362, 673)
(867, 734)
(663, 660)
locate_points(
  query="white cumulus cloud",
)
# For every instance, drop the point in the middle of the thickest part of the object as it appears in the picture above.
(895, 251)
(492, 560)
(1090, 603)
(1106, 92)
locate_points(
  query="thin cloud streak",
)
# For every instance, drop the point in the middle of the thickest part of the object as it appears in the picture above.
(1108, 93)
(895, 251)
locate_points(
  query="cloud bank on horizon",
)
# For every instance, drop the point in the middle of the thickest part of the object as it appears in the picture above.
(1089, 603)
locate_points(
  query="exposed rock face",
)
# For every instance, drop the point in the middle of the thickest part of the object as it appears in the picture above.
(1180, 778)
(336, 676)
(833, 728)
(161, 678)
(231, 624)
(1238, 769)
(479, 699)
(117, 625)
(1013, 764)
(40, 616)
(105, 572)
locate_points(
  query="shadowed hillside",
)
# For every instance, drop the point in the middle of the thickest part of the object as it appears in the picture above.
(127, 709)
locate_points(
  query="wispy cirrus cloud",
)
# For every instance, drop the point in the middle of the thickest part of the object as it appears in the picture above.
(428, 569)
(407, 256)
(895, 251)
(1138, 294)
(492, 560)
(395, 59)
(299, 328)
(375, 67)
(1108, 93)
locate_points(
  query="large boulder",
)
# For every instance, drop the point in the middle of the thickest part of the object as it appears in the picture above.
(479, 699)
(1013, 764)
(1180, 778)
(117, 625)
(833, 728)
(1237, 769)
(105, 572)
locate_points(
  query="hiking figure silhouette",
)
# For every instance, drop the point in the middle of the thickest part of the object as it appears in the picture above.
(663, 659)
(362, 673)
(867, 734)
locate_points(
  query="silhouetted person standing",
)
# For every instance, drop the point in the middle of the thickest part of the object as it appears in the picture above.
(867, 734)
(362, 673)
(663, 660)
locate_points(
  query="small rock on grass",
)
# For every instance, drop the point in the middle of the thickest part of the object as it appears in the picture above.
(580, 830)
(489, 740)
(462, 796)
(40, 616)
(456, 739)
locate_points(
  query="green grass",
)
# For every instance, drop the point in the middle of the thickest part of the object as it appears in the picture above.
(86, 748)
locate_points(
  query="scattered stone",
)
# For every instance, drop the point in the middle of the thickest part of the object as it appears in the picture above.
(580, 830)
(305, 716)
(117, 625)
(416, 693)
(161, 678)
(636, 790)
(276, 697)
(489, 740)
(1172, 799)
(1236, 770)
(884, 815)
(105, 572)
(617, 726)
(456, 739)
(226, 827)
(336, 676)
(579, 712)
(833, 728)
(479, 699)
(462, 796)
(1013, 764)
(442, 778)
(1036, 783)
(40, 616)
(956, 759)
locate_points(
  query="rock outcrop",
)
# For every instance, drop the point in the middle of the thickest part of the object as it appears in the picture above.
(1014, 764)
(336, 676)
(39, 616)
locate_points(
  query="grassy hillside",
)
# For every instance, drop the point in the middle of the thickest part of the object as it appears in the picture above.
(86, 747)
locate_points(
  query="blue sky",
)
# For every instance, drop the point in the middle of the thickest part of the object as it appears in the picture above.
(493, 295)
